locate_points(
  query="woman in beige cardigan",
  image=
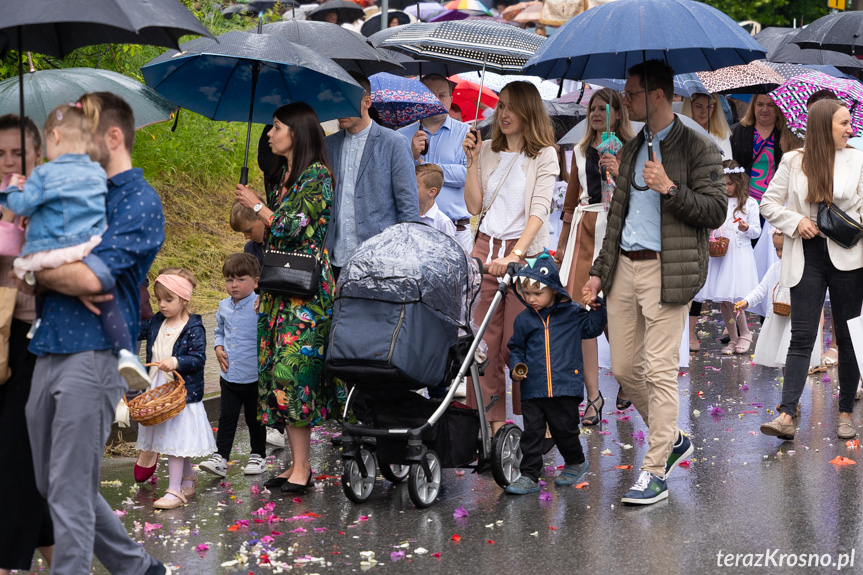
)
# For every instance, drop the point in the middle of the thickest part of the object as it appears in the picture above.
(826, 170)
(509, 187)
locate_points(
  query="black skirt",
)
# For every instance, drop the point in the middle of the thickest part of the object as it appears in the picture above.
(26, 521)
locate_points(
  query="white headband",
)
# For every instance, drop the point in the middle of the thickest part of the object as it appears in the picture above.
(737, 170)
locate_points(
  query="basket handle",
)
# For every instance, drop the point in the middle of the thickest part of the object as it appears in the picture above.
(177, 375)
(774, 291)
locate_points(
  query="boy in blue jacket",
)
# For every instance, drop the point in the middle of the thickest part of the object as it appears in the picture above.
(547, 339)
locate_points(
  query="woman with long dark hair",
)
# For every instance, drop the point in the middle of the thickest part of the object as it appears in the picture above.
(825, 170)
(293, 332)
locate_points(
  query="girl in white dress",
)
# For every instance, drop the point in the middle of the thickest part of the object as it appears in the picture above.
(731, 277)
(176, 341)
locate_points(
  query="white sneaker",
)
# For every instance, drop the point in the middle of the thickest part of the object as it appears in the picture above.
(132, 371)
(275, 438)
(859, 394)
(256, 465)
(216, 465)
(461, 390)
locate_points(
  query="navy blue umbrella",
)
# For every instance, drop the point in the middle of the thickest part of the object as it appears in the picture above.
(605, 41)
(245, 77)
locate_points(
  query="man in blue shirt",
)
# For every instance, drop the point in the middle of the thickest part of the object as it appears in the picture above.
(444, 136)
(75, 384)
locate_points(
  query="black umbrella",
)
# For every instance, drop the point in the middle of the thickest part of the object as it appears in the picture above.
(841, 32)
(57, 28)
(782, 49)
(348, 49)
(345, 11)
(373, 22)
(414, 66)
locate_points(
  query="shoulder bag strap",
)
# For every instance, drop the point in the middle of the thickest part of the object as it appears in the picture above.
(485, 209)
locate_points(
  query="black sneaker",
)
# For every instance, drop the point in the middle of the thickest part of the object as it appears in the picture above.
(158, 568)
(679, 453)
(647, 490)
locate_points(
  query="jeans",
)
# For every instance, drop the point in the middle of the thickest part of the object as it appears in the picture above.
(807, 299)
(236, 396)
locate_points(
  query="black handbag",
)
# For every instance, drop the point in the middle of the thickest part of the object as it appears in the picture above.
(290, 274)
(838, 226)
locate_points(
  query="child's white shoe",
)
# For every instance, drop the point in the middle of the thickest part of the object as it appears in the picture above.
(133, 372)
(216, 465)
(256, 465)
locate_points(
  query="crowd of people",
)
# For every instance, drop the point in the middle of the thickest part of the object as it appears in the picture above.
(633, 258)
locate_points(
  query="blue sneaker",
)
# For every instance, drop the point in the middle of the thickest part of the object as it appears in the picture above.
(679, 453)
(522, 486)
(570, 474)
(647, 490)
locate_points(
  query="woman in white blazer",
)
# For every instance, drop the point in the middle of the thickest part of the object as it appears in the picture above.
(825, 170)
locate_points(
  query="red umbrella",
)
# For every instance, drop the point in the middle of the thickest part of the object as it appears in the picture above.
(465, 94)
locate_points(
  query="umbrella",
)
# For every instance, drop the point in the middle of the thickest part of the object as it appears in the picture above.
(403, 101)
(300, 12)
(465, 95)
(564, 117)
(245, 77)
(449, 16)
(345, 11)
(424, 10)
(472, 6)
(346, 48)
(58, 28)
(684, 84)
(783, 49)
(373, 22)
(481, 43)
(840, 32)
(755, 77)
(415, 66)
(791, 98)
(547, 90)
(511, 12)
(257, 7)
(47, 89)
(607, 40)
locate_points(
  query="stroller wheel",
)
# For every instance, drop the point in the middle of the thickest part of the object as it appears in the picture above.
(356, 487)
(424, 488)
(506, 454)
(393, 472)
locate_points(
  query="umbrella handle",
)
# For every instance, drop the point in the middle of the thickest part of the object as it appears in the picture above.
(244, 175)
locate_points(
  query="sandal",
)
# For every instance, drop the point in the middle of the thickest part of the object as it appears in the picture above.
(831, 358)
(189, 491)
(622, 403)
(817, 369)
(166, 503)
(597, 405)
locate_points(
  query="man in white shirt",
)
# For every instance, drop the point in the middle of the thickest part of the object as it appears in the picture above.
(429, 183)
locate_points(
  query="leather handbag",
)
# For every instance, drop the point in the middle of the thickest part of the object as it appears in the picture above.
(290, 274)
(838, 226)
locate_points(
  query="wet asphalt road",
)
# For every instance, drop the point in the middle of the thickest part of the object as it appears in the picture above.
(743, 493)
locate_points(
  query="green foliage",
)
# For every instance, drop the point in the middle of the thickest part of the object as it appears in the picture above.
(772, 12)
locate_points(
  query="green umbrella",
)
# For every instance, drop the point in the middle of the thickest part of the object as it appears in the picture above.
(47, 89)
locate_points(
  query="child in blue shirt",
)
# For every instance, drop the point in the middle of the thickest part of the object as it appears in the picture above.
(237, 351)
(65, 201)
(547, 339)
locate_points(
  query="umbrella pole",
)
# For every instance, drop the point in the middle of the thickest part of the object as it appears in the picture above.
(479, 96)
(21, 102)
(244, 173)
(647, 110)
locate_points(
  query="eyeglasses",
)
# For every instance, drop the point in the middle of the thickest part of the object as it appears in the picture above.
(629, 95)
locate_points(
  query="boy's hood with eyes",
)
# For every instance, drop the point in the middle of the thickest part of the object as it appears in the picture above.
(540, 271)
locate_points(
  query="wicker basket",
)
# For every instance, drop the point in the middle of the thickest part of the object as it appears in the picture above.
(780, 307)
(159, 404)
(718, 246)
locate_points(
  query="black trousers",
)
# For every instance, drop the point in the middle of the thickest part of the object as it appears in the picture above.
(561, 415)
(807, 300)
(236, 396)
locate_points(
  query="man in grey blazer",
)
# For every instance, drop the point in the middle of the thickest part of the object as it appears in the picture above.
(375, 181)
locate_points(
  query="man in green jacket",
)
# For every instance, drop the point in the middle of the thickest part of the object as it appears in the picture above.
(653, 261)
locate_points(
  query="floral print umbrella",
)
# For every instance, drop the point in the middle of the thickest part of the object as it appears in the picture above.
(403, 101)
(792, 95)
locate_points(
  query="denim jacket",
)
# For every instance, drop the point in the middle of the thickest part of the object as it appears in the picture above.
(65, 201)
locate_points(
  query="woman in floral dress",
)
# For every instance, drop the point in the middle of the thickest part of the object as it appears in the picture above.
(293, 332)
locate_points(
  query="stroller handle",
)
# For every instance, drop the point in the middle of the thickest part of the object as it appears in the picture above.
(511, 269)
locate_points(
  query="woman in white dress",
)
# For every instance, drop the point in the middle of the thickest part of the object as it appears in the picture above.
(731, 277)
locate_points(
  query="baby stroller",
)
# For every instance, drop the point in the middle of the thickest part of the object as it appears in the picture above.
(401, 323)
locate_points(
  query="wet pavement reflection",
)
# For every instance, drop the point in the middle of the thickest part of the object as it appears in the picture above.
(743, 493)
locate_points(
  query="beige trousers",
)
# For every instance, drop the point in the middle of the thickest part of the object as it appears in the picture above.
(644, 336)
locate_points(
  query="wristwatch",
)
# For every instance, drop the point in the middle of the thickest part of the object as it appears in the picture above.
(518, 253)
(672, 190)
(257, 207)
(30, 279)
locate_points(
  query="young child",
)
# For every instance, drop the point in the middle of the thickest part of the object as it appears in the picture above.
(429, 183)
(237, 351)
(65, 201)
(547, 339)
(734, 275)
(176, 341)
(775, 335)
